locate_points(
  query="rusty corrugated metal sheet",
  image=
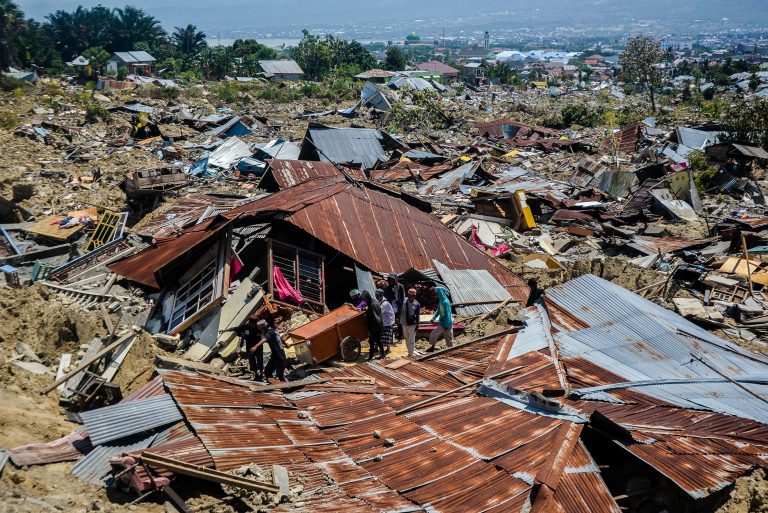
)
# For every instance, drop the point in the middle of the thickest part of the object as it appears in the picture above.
(656, 245)
(382, 232)
(67, 448)
(145, 267)
(185, 212)
(289, 173)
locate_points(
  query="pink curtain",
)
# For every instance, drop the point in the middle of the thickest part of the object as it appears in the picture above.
(284, 289)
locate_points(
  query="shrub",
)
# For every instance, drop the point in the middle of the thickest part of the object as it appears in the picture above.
(95, 113)
(9, 120)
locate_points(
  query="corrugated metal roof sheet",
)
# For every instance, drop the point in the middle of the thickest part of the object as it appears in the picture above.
(93, 467)
(288, 173)
(382, 232)
(642, 341)
(281, 67)
(471, 285)
(183, 213)
(4, 456)
(751, 151)
(147, 266)
(229, 153)
(134, 56)
(362, 146)
(67, 448)
(128, 418)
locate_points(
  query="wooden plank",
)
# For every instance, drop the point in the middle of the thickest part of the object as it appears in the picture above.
(68, 388)
(207, 474)
(64, 363)
(87, 362)
(458, 389)
(44, 228)
(117, 359)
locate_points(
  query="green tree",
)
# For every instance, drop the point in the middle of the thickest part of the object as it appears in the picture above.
(747, 122)
(74, 32)
(499, 70)
(134, 25)
(251, 48)
(349, 54)
(98, 57)
(313, 55)
(394, 60)
(754, 83)
(188, 40)
(37, 49)
(641, 65)
(11, 27)
(217, 62)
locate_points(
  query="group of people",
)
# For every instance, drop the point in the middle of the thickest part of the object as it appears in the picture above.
(393, 311)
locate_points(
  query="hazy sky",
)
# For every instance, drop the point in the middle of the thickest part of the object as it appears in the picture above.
(260, 14)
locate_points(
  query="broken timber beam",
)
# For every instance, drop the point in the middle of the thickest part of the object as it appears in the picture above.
(87, 363)
(453, 391)
(207, 474)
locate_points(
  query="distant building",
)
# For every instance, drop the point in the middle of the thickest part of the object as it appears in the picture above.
(138, 62)
(282, 70)
(474, 52)
(677, 45)
(449, 75)
(377, 76)
(473, 73)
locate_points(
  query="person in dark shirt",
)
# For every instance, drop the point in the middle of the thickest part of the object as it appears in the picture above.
(254, 348)
(375, 324)
(277, 359)
(394, 291)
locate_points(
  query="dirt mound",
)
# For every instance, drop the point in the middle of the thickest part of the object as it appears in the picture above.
(36, 317)
(749, 495)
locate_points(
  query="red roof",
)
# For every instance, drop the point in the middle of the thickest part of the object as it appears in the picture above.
(288, 173)
(437, 66)
(378, 230)
(145, 267)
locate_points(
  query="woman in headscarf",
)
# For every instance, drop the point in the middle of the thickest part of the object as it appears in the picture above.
(375, 324)
(444, 318)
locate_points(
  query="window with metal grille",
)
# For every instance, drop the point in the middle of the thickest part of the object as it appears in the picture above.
(301, 268)
(192, 296)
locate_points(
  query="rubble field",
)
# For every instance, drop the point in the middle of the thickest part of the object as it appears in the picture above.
(606, 289)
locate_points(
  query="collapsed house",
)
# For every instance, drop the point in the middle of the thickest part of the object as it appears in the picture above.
(601, 401)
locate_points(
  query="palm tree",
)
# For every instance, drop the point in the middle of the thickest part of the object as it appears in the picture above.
(134, 25)
(11, 25)
(189, 40)
(74, 32)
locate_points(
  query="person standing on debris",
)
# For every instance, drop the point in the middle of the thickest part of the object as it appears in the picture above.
(375, 324)
(409, 320)
(254, 347)
(277, 359)
(357, 300)
(395, 294)
(387, 319)
(444, 326)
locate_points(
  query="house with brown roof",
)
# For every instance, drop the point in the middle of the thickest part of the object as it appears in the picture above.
(375, 75)
(450, 75)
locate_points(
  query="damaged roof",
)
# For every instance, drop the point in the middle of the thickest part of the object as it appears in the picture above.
(357, 146)
(395, 236)
(149, 266)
